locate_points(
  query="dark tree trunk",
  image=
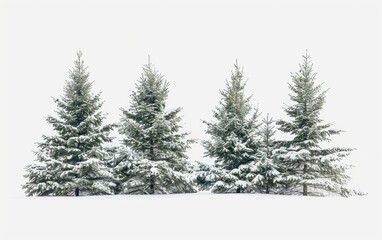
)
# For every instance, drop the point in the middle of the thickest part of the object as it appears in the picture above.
(77, 192)
(305, 189)
(152, 154)
(304, 185)
(267, 189)
(151, 186)
(238, 190)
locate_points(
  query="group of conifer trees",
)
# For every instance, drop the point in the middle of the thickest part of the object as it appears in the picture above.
(152, 158)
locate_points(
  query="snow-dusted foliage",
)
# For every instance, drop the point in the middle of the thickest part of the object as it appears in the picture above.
(267, 173)
(73, 162)
(219, 180)
(309, 167)
(153, 134)
(234, 140)
(205, 175)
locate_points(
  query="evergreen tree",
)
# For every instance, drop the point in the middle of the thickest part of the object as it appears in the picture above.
(266, 169)
(121, 162)
(233, 142)
(205, 175)
(159, 164)
(309, 166)
(73, 162)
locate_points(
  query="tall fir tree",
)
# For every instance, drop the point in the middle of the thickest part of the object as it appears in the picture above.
(73, 162)
(158, 164)
(266, 169)
(310, 167)
(234, 139)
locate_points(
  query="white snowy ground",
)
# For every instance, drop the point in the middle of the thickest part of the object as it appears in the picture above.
(191, 216)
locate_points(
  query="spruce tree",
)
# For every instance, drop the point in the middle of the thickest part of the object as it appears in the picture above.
(266, 169)
(73, 162)
(310, 167)
(234, 140)
(158, 164)
(205, 175)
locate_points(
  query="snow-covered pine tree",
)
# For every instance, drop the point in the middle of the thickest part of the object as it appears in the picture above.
(234, 141)
(159, 163)
(206, 175)
(309, 167)
(73, 161)
(266, 168)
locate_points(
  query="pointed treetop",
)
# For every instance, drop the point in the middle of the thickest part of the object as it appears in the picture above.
(78, 64)
(238, 72)
(306, 66)
(79, 54)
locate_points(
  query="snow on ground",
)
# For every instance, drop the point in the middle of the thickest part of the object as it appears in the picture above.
(191, 216)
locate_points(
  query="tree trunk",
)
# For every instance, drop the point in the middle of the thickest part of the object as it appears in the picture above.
(304, 185)
(151, 186)
(77, 192)
(267, 189)
(152, 154)
(305, 189)
(238, 190)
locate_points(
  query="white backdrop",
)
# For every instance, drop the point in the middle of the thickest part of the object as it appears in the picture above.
(194, 45)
